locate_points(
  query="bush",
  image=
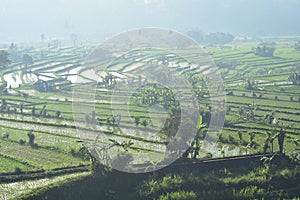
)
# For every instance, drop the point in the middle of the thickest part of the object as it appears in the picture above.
(232, 140)
(180, 195)
(208, 155)
(22, 142)
(31, 138)
(264, 50)
(73, 152)
(251, 191)
(18, 170)
(230, 93)
(144, 122)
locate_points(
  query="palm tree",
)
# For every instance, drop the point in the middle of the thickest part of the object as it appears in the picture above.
(252, 136)
(294, 141)
(43, 111)
(267, 142)
(137, 120)
(21, 106)
(125, 144)
(33, 110)
(294, 78)
(240, 136)
(57, 114)
(74, 38)
(248, 147)
(93, 116)
(43, 37)
(267, 161)
(31, 138)
(196, 147)
(86, 150)
(223, 151)
(273, 135)
(3, 105)
(281, 137)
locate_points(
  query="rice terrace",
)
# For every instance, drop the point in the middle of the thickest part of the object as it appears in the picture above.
(41, 146)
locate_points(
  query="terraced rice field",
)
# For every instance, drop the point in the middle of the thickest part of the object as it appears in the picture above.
(49, 115)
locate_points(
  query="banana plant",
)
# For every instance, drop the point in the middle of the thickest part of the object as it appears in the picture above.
(125, 144)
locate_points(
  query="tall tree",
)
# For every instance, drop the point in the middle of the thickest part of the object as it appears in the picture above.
(33, 110)
(297, 46)
(4, 61)
(3, 105)
(27, 60)
(264, 50)
(74, 38)
(219, 38)
(198, 36)
(43, 37)
(14, 55)
(281, 137)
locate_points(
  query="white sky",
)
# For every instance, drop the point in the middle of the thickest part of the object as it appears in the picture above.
(27, 19)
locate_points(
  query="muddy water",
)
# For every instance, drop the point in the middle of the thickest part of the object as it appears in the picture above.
(14, 79)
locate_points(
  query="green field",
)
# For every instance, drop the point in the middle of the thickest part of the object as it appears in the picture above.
(48, 115)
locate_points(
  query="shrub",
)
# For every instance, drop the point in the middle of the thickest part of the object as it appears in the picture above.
(208, 155)
(137, 120)
(31, 138)
(18, 170)
(240, 135)
(22, 142)
(264, 50)
(232, 140)
(144, 122)
(179, 195)
(251, 191)
(72, 152)
(285, 173)
(228, 109)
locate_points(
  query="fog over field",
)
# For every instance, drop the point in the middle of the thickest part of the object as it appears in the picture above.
(98, 19)
(149, 99)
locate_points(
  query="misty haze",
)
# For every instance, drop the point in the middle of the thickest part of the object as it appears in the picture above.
(149, 99)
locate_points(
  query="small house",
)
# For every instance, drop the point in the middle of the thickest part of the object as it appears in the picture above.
(52, 85)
